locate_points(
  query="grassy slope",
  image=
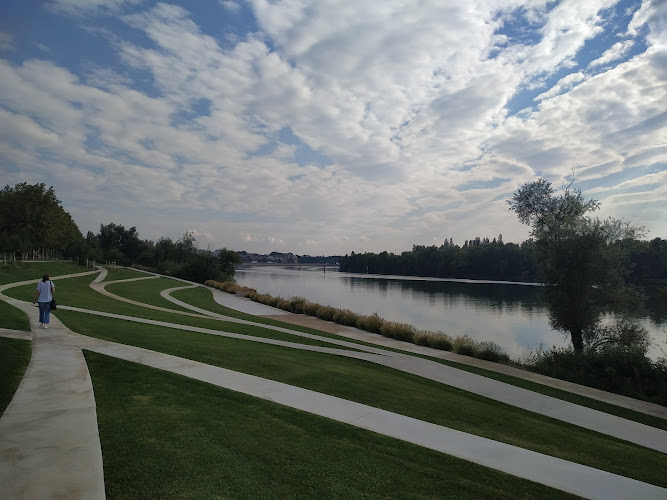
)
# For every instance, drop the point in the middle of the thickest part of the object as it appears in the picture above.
(202, 298)
(388, 389)
(35, 270)
(147, 292)
(13, 318)
(14, 359)
(76, 292)
(122, 273)
(227, 445)
(637, 462)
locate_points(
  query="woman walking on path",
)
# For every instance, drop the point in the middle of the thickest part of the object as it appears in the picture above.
(43, 296)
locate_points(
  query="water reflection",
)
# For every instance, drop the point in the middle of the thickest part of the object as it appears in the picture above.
(514, 316)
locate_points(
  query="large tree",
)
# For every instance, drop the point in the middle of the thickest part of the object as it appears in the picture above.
(580, 262)
(31, 217)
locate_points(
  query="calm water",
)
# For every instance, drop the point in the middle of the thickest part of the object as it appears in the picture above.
(511, 315)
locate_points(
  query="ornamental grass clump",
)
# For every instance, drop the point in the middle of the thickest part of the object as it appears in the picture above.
(464, 345)
(345, 317)
(310, 308)
(491, 351)
(326, 313)
(435, 340)
(273, 301)
(398, 331)
(296, 304)
(284, 304)
(262, 298)
(372, 323)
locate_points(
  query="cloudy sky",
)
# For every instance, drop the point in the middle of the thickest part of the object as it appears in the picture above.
(323, 127)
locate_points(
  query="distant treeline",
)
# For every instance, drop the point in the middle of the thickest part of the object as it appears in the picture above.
(495, 260)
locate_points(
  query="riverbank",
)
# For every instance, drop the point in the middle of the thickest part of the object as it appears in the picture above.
(616, 370)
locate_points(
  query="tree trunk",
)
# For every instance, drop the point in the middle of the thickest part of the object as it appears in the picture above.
(577, 340)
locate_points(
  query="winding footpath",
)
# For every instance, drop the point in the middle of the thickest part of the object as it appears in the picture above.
(50, 448)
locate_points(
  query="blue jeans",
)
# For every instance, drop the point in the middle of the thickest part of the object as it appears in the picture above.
(44, 312)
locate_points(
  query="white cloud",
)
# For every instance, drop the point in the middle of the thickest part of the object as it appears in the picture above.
(564, 84)
(616, 51)
(230, 6)
(403, 99)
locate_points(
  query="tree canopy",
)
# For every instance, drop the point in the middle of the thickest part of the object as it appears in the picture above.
(31, 217)
(581, 261)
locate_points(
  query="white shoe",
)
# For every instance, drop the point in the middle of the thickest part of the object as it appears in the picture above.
(45, 326)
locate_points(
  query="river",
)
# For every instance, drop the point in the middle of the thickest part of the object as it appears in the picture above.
(510, 314)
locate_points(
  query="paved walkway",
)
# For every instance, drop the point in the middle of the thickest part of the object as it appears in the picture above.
(49, 441)
(588, 418)
(246, 305)
(42, 399)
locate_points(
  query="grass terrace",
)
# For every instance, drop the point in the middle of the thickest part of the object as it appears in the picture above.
(225, 444)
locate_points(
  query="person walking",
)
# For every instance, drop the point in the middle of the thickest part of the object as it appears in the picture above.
(43, 296)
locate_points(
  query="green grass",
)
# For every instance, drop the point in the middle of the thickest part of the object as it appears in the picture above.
(35, 270)
(203, 298)
(223, 444)
(594, 404)
(123, 273)
(76, 292)
(148, 292)
(391, 390)
(13, 318)
(14, 359)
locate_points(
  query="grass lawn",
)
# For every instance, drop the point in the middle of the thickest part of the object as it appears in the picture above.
(166, 436)
(148, 292)
(14, 359)
(388, 389)
(203, 298)
(76, 292)
(24, 271)
(13, 318)
(123, 273)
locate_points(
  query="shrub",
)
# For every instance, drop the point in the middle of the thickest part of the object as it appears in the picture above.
(345, 317)
(463, 344)
(273, 301)
(398, 331)
(372, 323)
(296, 304)
(326, 313)
(421, 338)
(614, 369)
(285, 305)
(440, 341)
(491, 351)
(310, 308)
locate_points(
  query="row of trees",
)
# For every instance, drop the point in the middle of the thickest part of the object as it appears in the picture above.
(589, 266)
(481, 258)
(488, 260)
(32, 220)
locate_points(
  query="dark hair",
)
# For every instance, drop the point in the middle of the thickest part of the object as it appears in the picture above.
(45, 278)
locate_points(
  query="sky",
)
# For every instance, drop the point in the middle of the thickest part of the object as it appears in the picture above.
(326, 127)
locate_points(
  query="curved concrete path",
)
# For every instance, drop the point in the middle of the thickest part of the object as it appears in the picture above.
(244, 304)
(595, 420)
(567, 476)
(49, 441)
(561, 474)
(588, 418)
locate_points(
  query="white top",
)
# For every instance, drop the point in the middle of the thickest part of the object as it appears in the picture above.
(44, 289)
